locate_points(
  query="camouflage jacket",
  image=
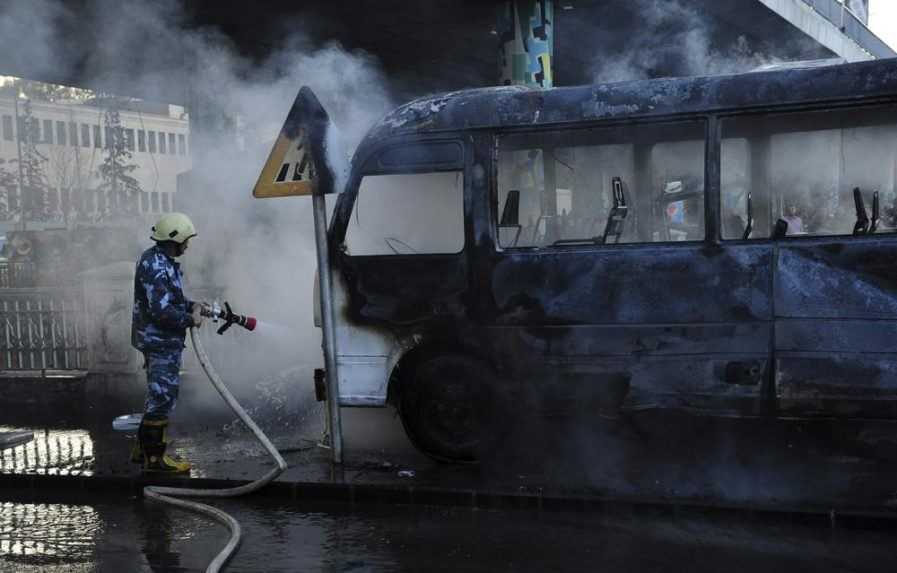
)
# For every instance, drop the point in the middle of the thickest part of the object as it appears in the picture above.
(161, 312)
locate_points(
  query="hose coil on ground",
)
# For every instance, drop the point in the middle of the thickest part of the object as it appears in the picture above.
(169, 494)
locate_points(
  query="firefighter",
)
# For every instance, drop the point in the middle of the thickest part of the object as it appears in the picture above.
(161, 316)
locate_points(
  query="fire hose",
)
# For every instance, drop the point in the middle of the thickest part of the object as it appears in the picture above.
(170, 494)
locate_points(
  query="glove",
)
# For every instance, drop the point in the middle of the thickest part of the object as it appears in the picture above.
(196, 317)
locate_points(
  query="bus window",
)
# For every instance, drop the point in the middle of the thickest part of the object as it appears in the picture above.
(801, 169)
(565, 181)
(407, 214)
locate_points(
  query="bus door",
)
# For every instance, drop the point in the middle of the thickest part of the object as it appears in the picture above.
(605, 296)
(823, 190)
(402, 258)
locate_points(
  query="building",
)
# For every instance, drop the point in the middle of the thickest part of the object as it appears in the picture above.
(72, 141)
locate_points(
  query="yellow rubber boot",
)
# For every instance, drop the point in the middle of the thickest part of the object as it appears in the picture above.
(152, 435)
(137, 453)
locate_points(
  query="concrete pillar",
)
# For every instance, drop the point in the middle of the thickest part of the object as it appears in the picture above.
(108, 296)
(526, 42)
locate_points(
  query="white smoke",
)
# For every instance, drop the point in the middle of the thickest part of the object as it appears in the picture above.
(672, 35)
(260, 252)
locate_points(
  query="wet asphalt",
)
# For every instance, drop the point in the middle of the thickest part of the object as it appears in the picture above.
(655, 458)
(118, 534)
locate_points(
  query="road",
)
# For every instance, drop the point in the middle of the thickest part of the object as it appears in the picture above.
(119, 534)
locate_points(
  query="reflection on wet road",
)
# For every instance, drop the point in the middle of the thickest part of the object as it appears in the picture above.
(52, 452)
(48, 536)
(126, 534)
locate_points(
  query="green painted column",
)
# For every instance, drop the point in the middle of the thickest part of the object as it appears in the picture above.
(526, 36)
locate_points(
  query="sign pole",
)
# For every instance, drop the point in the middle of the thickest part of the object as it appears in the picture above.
(297, 166)
(325, 280)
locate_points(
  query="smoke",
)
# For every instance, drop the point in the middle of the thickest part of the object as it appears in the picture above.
(670, 37)
(261, 253)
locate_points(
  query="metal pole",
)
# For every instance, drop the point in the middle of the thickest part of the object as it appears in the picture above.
(325, 280)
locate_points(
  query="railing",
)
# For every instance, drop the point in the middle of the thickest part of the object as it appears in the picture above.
(18, 274)
(42, 329)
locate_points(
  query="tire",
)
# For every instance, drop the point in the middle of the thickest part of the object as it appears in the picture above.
(446, 403)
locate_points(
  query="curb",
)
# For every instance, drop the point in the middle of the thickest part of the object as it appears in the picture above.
(64, 488)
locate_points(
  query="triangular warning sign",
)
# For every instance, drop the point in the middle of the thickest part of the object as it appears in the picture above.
(297, 164)
(288, 171)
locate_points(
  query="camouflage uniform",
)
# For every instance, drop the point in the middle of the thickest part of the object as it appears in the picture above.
(159, 325)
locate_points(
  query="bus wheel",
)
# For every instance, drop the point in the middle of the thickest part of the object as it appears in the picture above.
(445, 404)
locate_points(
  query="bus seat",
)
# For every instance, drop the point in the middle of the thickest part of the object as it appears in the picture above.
(616, 217)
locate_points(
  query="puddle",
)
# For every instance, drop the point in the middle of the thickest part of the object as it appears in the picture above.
(51, 452)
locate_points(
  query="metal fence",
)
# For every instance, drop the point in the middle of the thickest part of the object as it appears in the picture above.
(17, 274)
(41, 330)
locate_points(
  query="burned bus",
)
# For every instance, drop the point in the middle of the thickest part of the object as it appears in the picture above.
(722, 246)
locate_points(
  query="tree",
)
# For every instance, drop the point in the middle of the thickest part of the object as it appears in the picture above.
(118, 191)
(9, 187)
(45, 92)
(35, 200)
(68, 174)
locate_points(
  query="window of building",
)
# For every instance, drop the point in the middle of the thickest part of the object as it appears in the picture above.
(48, 131)
(7, 128)
(166, 206)
(161, 142)
(129, 139)
(97, 142)
(803, 172)
(144, 202)
(172, 147)
(436, 199)
(61, 133)
(141, 140)
(85, 135)
(73, 134)
(151, 142)
(631, 184)
(109, 135)
(182, 144)
(154, 197)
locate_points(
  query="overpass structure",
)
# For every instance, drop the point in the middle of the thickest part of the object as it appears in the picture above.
(438, 45)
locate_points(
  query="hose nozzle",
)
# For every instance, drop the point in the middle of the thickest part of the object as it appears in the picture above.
(229, 317)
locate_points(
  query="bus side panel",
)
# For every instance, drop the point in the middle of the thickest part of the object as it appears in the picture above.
(836, 328)
(634, 327)
(716, 368)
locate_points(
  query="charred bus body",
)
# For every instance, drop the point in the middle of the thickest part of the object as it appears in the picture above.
(724, 246)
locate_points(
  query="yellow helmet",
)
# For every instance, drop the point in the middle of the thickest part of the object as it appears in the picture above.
(175, 227)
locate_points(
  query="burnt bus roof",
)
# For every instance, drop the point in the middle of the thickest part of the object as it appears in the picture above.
(517, 106)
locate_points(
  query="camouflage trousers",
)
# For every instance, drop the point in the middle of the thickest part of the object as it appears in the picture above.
(163, 382)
